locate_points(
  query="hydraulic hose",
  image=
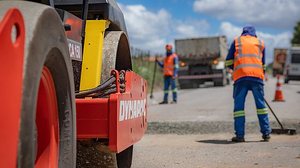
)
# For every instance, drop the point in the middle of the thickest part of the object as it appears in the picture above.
(97, 89)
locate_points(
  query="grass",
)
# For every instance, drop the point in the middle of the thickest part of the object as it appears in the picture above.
(145, 68)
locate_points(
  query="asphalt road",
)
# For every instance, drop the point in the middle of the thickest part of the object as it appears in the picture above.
(216, 151)
(196, 131)
(216, 104)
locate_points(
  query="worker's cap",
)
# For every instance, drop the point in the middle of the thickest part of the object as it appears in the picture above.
(250, 30)
(169, 47)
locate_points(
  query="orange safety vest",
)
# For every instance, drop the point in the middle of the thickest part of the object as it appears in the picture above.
(169, 65)
(248, 57)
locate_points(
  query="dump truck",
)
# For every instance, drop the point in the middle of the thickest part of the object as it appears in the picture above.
(67, 85)
(202, 59)
(280, 55)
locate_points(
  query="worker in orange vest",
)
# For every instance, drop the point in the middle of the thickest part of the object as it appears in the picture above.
(170, 69)
(246, 57)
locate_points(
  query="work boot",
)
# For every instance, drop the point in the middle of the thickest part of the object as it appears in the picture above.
(237, 139)
(174, 102)
(163, 102)
(266, 137)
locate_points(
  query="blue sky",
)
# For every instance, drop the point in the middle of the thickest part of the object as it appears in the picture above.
(153, 23)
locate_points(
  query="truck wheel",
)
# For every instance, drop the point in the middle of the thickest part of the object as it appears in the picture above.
(47, 124)
(221, 81)
(184, 84)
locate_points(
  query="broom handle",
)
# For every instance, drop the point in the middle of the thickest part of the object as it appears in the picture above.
(274, 114)
(153, 79)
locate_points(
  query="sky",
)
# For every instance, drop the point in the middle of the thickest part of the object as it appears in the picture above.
(151, 24)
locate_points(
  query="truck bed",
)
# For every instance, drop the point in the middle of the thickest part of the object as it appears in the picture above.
(200, 50)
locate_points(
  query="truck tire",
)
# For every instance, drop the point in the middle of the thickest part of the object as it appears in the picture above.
(47, 123)
(220, 81)
(188, 84)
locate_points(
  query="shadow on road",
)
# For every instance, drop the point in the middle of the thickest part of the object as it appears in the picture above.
(222, 142)
(215, 141)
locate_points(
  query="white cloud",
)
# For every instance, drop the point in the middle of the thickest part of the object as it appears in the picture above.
(146, 29)
(151, 30)
(274, 13)
(191, 28)
(230, 30)
(271, 40)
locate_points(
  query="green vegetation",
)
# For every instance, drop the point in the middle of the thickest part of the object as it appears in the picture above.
(269, 69)
(296, 36)
(145, 68)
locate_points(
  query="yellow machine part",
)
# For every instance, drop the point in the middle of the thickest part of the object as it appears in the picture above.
(92, 54)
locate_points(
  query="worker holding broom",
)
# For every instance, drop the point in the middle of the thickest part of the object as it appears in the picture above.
(170, 69)
(246, 57)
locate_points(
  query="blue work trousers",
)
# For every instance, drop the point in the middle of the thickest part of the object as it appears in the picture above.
(168, 80)
(239, 94)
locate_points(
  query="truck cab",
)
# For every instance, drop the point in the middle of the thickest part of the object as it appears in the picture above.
(292, 68)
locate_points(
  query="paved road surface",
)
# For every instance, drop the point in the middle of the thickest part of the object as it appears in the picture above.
(216, 104)
(196, 132)
(216, 151)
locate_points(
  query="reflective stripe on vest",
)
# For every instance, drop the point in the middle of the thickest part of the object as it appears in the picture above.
(248, 57)
(169, 65)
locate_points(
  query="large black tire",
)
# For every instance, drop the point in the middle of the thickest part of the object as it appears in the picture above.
(188, 84)
(45, 46)
(124, 158)
(220, 81)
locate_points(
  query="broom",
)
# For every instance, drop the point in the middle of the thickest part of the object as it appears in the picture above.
(280, 130)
